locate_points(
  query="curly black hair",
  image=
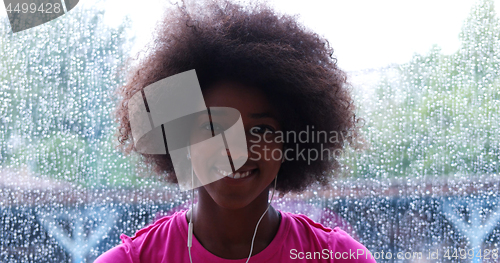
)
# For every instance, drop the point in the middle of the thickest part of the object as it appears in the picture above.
(253, 45)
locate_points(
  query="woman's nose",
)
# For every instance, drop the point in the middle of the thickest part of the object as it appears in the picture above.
(236, 154)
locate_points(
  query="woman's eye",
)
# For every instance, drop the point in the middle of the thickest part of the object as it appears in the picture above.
(208, 127)
(262, 129)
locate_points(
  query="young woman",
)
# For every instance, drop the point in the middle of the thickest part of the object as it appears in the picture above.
(282, 79)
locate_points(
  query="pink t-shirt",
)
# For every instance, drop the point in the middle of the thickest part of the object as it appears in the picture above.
(299, 239)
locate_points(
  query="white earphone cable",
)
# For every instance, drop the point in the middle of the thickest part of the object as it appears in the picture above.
(255, 232)
(190, 228)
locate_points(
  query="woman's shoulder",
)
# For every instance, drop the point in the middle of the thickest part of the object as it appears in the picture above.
(145, 240)
(317, 237)
(300, 223)
(159, 227)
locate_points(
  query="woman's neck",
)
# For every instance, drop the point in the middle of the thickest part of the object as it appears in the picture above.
(227, 233)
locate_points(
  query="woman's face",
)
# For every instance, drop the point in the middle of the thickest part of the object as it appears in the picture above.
(260, 122)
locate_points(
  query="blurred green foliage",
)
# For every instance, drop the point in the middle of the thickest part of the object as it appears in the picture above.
(438, 115)
(56, 83)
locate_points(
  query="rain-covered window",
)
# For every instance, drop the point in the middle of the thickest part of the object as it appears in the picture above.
(425, 188)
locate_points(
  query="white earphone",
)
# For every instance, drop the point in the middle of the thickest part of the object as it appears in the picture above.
(190, 227)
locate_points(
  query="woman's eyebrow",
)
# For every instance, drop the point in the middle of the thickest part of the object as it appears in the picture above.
(262, 115)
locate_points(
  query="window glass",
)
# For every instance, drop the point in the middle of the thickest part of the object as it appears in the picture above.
(423, 187)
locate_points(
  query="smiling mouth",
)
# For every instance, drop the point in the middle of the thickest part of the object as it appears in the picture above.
(237, 175)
